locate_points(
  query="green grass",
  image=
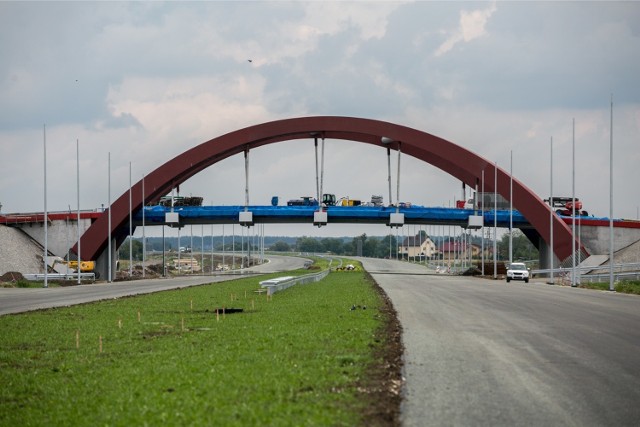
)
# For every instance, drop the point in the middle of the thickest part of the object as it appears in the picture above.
(627, 286)
(296, 359)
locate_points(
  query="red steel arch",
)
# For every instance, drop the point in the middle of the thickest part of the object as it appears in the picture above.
(449, 157)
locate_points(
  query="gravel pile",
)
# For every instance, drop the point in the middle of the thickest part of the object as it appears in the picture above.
(18, 252)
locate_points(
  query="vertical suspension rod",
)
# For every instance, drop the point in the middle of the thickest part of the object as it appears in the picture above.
(321, 174)
(315, 144)
(389, 174)
(246, 179)
(551, 213)
(398, 180)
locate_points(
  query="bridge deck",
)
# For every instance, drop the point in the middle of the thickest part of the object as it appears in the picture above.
(155, 215)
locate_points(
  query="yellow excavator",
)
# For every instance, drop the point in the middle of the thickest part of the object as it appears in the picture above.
(85, 266)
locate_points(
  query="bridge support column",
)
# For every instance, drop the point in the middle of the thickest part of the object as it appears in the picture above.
(543, 260)
(102, 263)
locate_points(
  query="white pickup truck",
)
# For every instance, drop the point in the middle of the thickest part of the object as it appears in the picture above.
(518, 271)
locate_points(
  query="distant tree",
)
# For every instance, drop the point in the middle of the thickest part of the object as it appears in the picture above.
(333, 245)
(280, 246)
(370, 247)
(308, 244)
(353, 246)
(136, 245)
(386, 243)
(523, 249)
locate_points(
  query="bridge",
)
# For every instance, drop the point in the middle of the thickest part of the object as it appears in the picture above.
(594, 231)
(535, 217)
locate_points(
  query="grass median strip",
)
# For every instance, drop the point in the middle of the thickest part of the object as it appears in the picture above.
(210, 354)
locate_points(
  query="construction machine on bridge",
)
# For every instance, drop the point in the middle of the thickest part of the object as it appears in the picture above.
(566, 207)
(329, 199)
(303, 201)
(177, 201)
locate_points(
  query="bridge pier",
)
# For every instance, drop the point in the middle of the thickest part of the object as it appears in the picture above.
(102, 263)
(543, 257)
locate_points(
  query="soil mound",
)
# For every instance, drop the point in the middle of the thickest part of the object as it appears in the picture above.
(11, 276)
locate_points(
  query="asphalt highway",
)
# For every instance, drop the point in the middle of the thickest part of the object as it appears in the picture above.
(17, 300)
(486, 353)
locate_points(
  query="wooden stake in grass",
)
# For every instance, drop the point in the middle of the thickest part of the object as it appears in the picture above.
(191, 304)
(217, 315)
(78, 339)
(120, 323)
(252, 305)
(100, 343)
(138, 316)
(223, 312)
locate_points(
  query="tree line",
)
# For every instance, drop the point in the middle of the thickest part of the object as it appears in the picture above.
(369, 246)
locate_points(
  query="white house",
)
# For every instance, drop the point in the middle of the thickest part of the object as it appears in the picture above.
(419, 245)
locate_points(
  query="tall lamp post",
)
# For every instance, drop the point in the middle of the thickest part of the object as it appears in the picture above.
(511, 210)
(495, 221)
(78, 197)
(551, 213)
(46, 232)
(611, 287)
(109, 218)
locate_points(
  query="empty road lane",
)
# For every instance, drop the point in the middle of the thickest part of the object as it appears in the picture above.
(17, 300)
(483, 352)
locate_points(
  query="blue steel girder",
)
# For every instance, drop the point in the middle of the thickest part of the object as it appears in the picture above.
(336, 214)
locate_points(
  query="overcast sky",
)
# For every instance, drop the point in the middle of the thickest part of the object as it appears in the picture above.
(147, 81)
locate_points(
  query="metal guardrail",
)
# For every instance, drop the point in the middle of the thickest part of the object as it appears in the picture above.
(593, 274)
(601, 277)
(60, 276)
(281, 283)
(620, 268)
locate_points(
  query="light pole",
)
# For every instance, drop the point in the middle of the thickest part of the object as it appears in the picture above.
(109, 215)
(511, 210)
(144, 238)
(46, 243)
(495, 221)
(611, 287)
(130, 229)
(79, 257)
(482, 229)
(551, 213)
(574, 282)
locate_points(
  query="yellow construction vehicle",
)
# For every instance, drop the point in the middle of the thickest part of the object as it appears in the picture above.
(85, 266)
(346, 201)
(71, 267)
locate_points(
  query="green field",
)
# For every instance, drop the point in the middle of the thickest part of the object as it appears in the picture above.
(625, 286)
(302, 357)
